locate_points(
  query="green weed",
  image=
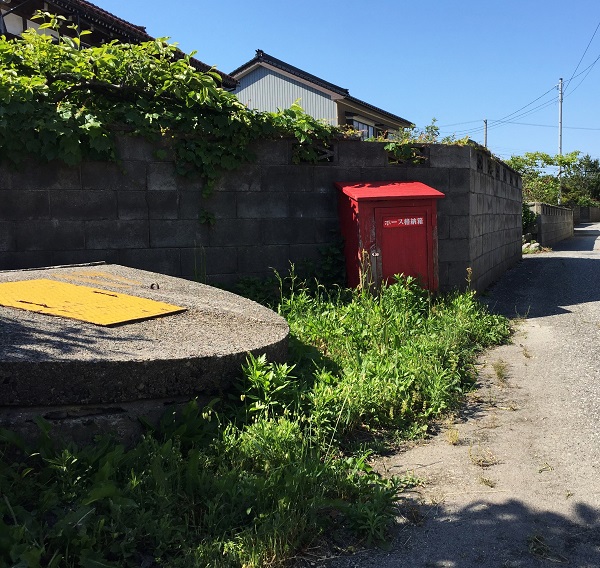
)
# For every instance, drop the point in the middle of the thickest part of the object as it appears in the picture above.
(251, 480)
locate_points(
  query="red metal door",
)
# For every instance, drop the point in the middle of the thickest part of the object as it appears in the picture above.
(403, 240)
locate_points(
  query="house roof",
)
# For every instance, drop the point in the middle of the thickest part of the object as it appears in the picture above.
(262, 57)
(115, 27)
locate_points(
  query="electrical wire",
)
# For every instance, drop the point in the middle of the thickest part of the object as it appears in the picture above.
(580, 60)
(553, 126)
(500, 121)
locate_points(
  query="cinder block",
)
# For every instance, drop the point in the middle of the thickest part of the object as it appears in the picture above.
(443, 226)
(234, 232)
(198, 262)
(459, 181)
(191, 203)
(163, 261)
(184, 234)
(358, 153)
(262, 205)
(21, 260)
(325, 177)
(437, 178)
(288, 231)
(313, 205)
(453, 250)
(222, 205)
(161, 176)
(189, 182)
(263, 258)
(227, 281)
(39, 175)
(117, 234)
(288, 179)
(5, 177)
(50, 235)
(272, 152)
(163, 204)
(134, 148)
(24, 204)
(122, 176)
(457, 275)
(8, 240)
(327, 231)
(460, 227)
(83, 205)
(454, 205)
(443, 276)
(450, 156)
(83, 256)
(391, 172)
(301, 253)
(245, 178)
(132, 205)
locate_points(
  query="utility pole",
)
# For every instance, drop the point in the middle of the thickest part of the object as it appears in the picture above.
(560, 101)
(485, 132)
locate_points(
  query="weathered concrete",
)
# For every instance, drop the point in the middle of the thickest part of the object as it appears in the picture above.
(67, 370)
(554, 224)
(266, 214)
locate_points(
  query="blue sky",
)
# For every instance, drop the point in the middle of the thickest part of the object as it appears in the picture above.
(460, 62)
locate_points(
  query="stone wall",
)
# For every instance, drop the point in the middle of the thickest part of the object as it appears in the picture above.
(139, 213)
(553, 224)
(585, 214)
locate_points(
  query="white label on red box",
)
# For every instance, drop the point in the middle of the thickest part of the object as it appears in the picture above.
(403, 222)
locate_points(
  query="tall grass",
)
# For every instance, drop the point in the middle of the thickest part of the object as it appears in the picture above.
(403, 356)
(252, 480)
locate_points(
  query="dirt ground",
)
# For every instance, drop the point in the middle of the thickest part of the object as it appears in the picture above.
(513, 479)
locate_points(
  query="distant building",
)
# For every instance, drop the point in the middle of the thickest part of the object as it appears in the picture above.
(266, 83)
(15, 17)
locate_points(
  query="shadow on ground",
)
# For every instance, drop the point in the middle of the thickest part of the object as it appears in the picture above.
(506, 534)
(550, 283)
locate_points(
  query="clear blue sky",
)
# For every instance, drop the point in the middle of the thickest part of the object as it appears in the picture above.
(460, 62)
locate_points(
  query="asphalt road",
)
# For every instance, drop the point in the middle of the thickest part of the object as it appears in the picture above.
(537, 503)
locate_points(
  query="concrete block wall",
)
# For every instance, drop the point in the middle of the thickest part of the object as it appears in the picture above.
(479, 220)
(554, 224)
(139, 213)
(585, 214)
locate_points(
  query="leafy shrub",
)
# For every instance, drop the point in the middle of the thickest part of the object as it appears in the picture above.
(529, 218)
(74, 100)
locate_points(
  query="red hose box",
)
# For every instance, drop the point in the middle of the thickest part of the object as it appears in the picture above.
(389, 228)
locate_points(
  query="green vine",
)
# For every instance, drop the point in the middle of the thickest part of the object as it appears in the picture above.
(406, 145)
(74, 101)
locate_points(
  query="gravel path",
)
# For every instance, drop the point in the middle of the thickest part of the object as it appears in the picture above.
(513, 481)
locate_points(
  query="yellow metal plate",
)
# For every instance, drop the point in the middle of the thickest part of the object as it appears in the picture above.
(93, 305)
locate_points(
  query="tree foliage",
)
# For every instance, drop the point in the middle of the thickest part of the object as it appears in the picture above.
(59, 101)
(575, 178)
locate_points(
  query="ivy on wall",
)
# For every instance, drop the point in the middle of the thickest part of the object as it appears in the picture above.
(59, 101)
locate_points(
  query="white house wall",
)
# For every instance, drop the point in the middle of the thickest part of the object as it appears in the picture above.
(263, 89)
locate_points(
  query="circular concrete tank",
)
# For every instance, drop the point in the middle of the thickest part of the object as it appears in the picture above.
(86, 379)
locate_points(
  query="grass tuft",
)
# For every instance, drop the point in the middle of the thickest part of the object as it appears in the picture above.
(255, 478)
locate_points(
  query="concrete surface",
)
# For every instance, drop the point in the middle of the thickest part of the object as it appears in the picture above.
(513, 480)
(66, 369)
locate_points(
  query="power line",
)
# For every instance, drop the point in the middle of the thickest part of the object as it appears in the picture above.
(578, 64)
(480, 129)
(582, 80)
(552, 126)
(500, 121)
